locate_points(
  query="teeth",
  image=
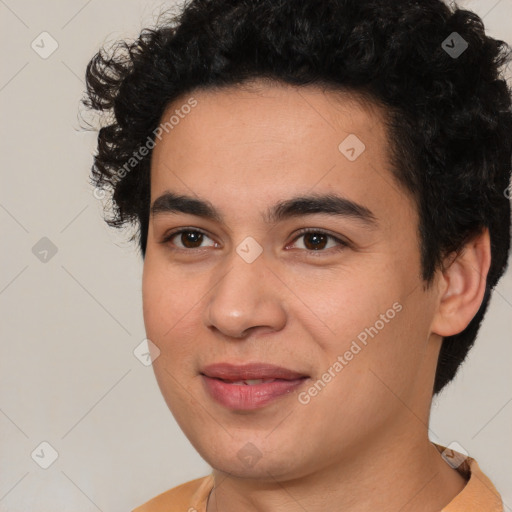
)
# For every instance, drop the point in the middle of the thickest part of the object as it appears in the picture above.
(251, 382)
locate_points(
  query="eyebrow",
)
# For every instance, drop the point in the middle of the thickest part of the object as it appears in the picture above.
(329, 204)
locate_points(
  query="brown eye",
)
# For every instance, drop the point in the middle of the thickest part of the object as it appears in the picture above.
(191, 239)
(187, 239)
(317, 240)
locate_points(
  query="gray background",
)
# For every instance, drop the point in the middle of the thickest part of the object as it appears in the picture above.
(70, 324)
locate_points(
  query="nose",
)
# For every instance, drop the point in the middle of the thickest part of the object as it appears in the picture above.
(248, 298)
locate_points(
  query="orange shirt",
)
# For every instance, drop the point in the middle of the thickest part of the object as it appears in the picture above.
(479, 494)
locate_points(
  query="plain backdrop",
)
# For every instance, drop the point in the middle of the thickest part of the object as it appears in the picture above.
(70, 295)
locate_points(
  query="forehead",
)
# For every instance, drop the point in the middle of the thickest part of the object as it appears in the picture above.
(264, 113)
(260, 142)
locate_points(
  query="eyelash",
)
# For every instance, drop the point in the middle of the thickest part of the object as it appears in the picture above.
(341, 243)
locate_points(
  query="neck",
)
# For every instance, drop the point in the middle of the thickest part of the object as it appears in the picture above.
(405, 473)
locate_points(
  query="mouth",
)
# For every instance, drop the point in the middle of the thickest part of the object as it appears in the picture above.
(250, 372)
(250, 386)
(249, 382)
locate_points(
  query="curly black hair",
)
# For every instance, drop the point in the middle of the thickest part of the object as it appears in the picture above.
(449, 117)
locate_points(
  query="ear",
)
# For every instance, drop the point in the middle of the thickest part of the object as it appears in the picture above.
(462, 284)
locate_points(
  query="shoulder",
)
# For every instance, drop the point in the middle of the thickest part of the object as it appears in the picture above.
(188, 496)
(479, 494)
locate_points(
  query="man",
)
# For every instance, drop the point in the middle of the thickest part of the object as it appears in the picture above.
(320, 192)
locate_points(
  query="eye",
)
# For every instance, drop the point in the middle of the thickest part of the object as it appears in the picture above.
(189, 238)
(314, 240)
(318, 240)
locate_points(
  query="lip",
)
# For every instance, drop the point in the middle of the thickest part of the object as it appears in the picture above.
(228, 371)
(249, 397)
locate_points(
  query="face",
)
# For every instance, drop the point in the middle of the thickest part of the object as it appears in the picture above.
(231, 276)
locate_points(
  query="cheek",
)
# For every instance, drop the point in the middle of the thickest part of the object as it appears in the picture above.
(171, 305)
(165, 315)
(393, 356)
(373, 321)
(165, 299)
(336, 308)
(153, 299)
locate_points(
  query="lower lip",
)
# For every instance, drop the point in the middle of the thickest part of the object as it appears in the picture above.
(246, 397)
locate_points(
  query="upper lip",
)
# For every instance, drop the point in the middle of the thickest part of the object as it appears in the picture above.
(228, 371)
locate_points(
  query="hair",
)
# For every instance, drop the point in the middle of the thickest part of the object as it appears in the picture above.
(448, 117)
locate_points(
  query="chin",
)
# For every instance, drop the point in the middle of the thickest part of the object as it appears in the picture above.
(250, 461)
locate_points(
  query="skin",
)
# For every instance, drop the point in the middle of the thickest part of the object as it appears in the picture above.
(244, 149)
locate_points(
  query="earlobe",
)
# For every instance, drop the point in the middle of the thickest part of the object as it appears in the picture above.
(462, 286)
